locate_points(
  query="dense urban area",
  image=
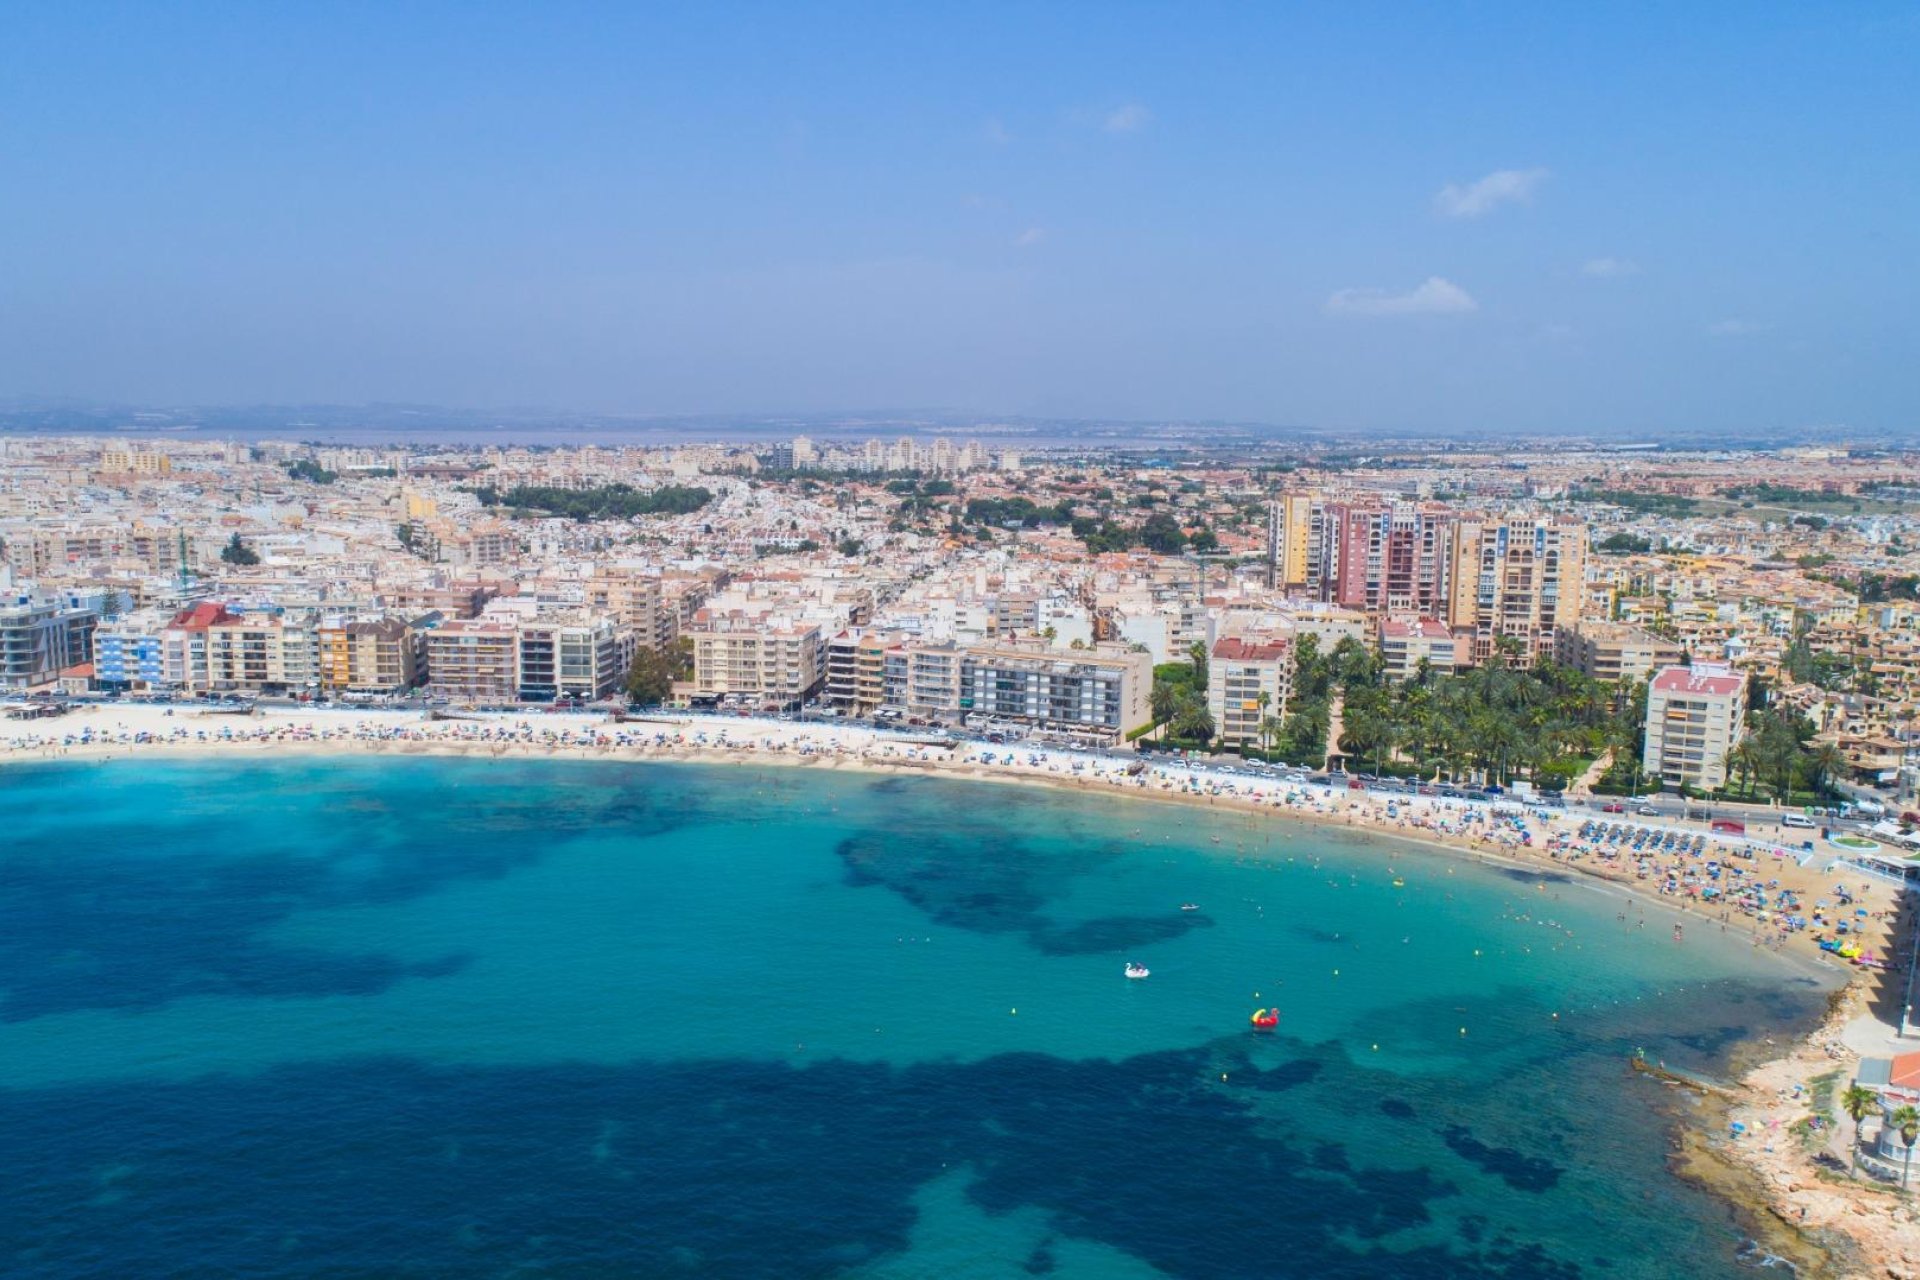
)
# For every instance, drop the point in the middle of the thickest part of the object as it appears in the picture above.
(1621, 621)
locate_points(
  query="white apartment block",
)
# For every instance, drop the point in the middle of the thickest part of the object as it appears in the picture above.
(1695, 715)
(771, 663)
(1248, 680)
(1105, 691)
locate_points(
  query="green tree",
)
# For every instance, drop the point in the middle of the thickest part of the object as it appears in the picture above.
(308, 469)
(1162, 534)
(1198, 651)
(237, 552)
(1907, 1121)
(1858, 1101)
(1826, 762)
(651, 678)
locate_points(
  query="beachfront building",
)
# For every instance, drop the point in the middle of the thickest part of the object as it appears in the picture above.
(1249, 681)
(1102, 692)
(473, 661)
(246, 653)
(1613, 650)
(856, 661)
(578, 657)
(764, 662)
(1695, 716)
(129, 655)
(183, 645)
(922, 679)
(370, 656)
(1406, 643)
(40, 637)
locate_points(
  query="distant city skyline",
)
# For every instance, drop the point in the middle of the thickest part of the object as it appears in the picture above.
(1541, 221)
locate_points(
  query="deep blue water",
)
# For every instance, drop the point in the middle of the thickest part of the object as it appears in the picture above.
(403, 1017)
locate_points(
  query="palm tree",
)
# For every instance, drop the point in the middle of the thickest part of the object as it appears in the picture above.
(1265, 700)
(1163, 701)
(1857, 1101)
(1907, 1121)
(1744, 758)
(1826, 761)
(1269, 730)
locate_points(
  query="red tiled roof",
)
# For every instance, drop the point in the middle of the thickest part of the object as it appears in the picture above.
(1906, 1071)
(201, 616)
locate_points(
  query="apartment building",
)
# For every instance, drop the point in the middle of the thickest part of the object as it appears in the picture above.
(372, 656)
(134, 461)
(1290, 535)
(1102, 691)
(769, 663)
(633, 599)
(578, 657)
(1405, 643)
(39, 637)
(1695, 715)
(922, 679)
(1248, 680)
(450, 600)
(1613, 650)
(1517, 580)
(855, 665)
(128, 653)
(473, 661)
(1386, 558)
(246, 653)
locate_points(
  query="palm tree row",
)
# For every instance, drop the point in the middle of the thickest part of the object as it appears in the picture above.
(1492, 723)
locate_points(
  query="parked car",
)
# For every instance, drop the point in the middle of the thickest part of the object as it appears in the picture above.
(1613, 806)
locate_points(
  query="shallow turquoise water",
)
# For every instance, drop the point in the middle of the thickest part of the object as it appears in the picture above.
(442, 1017)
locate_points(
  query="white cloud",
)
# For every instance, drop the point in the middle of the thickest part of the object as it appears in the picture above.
(1029, 238)
(1127, 119)
(1435, 296)
(1735, 328)
(1502, 186)
(1608, 268)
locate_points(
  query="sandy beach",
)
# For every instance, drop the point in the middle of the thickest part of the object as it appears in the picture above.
(1784, 900)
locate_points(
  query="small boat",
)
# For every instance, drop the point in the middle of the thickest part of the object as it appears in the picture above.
(1137, 971)
(1189, 906)
(1265, 1019)
(1398, 883)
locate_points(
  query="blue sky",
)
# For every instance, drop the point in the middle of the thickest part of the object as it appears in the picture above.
(1530, 218)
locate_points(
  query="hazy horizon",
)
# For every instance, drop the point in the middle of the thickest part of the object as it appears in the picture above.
(1628, 223)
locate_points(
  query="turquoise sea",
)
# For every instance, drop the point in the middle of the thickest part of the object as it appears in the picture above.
(410, 1017)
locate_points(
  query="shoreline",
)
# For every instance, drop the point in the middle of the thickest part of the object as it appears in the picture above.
(1823, 1228)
